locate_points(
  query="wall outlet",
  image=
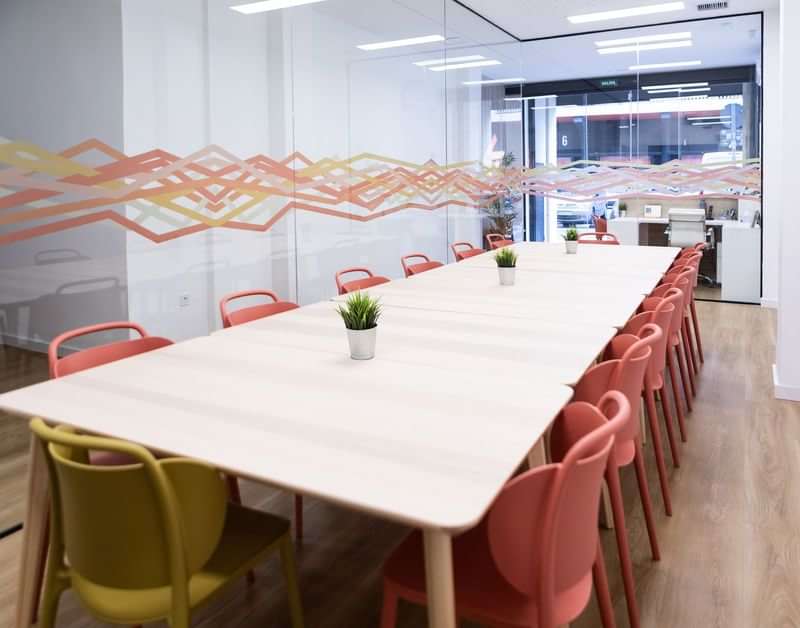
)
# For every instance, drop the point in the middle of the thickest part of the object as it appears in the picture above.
(183, 301)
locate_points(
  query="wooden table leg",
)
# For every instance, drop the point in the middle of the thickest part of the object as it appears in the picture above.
(439, 579)
(33, 536)
(538, 455)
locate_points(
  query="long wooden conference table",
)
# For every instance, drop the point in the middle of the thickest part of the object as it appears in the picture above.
(467, 378)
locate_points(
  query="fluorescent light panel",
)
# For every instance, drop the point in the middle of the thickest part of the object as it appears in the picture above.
(644, 39)
(679, 90)
(669, 64)
(710, 118)
(424, 64)
(702, 97)
(619, 14)
(707, 123)
(399, 43)
(641, 47)
(496, 81)
(462, 66)
(675, 86)
(270, 5)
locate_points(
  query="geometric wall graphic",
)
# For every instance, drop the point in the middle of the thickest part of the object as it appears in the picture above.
(162, 196)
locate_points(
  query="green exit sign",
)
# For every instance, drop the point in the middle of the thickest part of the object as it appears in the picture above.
(608, 83)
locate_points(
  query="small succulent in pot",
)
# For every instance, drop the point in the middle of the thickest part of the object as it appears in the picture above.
(571, 240)
(623, 209)
(506, 260)
(360, 314)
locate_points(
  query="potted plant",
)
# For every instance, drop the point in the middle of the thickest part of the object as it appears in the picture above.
(571, 240)
(623, 209)
(506, 260)
(360, 314)
(499, 207)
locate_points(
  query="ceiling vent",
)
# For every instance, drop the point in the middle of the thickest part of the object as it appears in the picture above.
(712, 6)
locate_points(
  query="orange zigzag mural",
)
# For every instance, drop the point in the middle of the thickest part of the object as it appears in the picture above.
(162, 196)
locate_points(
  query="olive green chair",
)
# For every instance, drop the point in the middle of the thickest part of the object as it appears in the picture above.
(148, 541)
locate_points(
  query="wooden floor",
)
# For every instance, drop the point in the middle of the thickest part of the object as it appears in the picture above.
(730, 553)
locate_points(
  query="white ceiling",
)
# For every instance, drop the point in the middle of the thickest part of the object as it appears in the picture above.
(543, 18)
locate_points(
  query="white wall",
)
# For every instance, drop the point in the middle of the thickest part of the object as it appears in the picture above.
(787, 369)
(61, 69)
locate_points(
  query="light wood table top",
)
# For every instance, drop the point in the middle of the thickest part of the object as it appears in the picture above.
(542, 353)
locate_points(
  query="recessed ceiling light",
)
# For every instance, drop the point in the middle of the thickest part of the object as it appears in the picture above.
(619, 14)
(399, 43)
(675, 86)
(462, 66)
(495, 81)
(640, 47)
(670, 64)
(270, 5)
(424, 64)
(643, 39)
(682, 91)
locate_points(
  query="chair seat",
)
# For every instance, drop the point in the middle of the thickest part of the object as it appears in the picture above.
(363, 284)
(256, 312)
(470, 253)
(248, 536)
(416, 269)
(481, 591)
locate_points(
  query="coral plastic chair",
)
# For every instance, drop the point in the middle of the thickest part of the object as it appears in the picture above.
(600, 224)
(464, 250)
(597, 237)
(253, 312)
(692, 260)
(419, 267)
(497, 241)
(151, 540)
(625, 375)
(345, 287)
(684, 279)
(531, 560)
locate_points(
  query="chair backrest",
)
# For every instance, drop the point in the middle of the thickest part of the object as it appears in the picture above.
(497, 241)
(674, 296)
(419, 267)
(600, 224)
(543, 527)
(136, 526)
(344, 287)
(687, 227)
(466, 250)
(596, 237)
(253, 312)
(629, 359)
(97, 356)
(662, 313)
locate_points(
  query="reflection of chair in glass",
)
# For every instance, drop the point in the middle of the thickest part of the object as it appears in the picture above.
(596, 237)
(600, 224)
(151, 540)
(464, 250)
(531, 560)
(419, 267)
(358, 284)
(687, 228)
(253, 312)
(497, 241)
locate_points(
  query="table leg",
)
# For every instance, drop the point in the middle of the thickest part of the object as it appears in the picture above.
(538, 455)
(34, 536)
(439, 578)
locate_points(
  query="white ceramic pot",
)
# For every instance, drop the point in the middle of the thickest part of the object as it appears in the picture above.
(572, 246)
(362, 343)
(507, 276)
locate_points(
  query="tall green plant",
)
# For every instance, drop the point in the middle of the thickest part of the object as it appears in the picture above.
(360, 311)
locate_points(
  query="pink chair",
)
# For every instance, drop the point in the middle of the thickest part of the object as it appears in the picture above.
(358, 284)
(600, 224)
(683, 279)
(531, 560)
(693, 261)
(253, 312)
(625, 375)
(464, 250)
(497, 241)
(596, 237)
(419, 267)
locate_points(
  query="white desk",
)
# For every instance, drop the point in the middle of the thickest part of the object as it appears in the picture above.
(409, 436)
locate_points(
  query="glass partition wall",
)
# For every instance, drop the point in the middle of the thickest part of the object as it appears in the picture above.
(215, 148)
(652, 119)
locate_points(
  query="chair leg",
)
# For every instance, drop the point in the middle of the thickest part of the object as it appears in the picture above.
(673, 442)
(647, 504)
(600, 589)
(290, 577)
(658, 449)
(298, 518)
(687, 390)
(665, 406)
(236, 498)
(673, 378)
(615, 491)
(696, 328)
(389, 608)
(687, 352)
(42, 567)
(690, 341)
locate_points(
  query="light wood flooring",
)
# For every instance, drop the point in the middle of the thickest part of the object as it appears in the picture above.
(730, 553)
